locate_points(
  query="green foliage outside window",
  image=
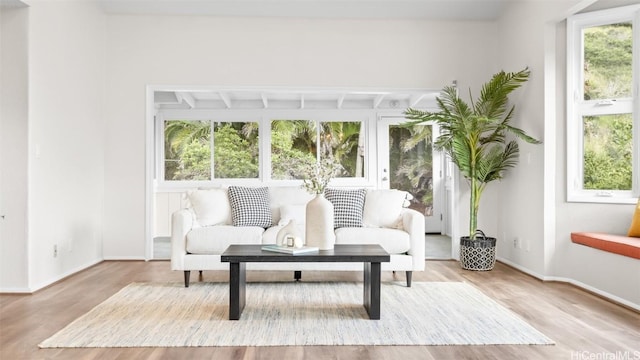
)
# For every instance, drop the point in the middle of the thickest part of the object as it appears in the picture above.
(294, 146)
(607, 61)
(188, 150)
(341, 140)
(608, 140)
(411, 164)
(235, 151)
(608, 152)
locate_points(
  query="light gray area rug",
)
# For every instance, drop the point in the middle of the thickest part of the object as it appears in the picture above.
(276, 314)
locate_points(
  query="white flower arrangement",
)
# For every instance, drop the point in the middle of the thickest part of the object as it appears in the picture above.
(318, 175)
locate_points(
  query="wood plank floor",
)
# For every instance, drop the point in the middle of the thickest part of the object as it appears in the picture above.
(582, 325)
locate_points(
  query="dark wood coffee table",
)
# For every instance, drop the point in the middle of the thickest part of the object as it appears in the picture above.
(371, 255)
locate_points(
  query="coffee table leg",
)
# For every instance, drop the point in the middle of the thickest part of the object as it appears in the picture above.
(237, 286)
(372, 289)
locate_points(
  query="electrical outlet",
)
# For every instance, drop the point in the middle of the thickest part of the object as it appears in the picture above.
(517, 243)
(55, 250)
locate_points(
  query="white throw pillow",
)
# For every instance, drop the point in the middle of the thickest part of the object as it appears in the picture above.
(210, 206)
(293, 212)
(382, 208)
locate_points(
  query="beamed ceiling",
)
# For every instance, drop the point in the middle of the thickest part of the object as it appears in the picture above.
(293, 99)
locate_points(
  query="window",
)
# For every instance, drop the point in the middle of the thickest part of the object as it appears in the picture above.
(197, 152)
(603, 155)
(296, 143)
(188, 149)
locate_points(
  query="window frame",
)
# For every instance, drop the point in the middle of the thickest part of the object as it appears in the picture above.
(577, 107)
(264, 118)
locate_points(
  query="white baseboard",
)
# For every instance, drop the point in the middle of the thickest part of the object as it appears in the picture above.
(125, 258)
(590, 288)
(15, 291)
(521, 268)
(70, 272)
(573, 282)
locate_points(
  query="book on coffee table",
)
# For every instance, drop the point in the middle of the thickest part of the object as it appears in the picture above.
(290, 250)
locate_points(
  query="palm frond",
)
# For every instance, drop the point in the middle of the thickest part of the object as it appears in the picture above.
(494, 94)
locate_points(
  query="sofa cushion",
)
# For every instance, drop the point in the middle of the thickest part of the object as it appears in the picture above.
(216, 239)
(392, 240)
(382, 208)
(211, 207)
(250, 206)
(281, 196)
(348, 206)
(293, 212)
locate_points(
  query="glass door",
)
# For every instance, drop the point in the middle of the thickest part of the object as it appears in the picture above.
(408, 162)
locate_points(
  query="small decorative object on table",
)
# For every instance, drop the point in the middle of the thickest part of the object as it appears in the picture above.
(319, 230)
(289, 232)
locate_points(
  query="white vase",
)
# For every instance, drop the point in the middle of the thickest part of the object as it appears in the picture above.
(291, 229)
(319, 223)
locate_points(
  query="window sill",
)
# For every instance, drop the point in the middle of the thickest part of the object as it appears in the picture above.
(589, 198)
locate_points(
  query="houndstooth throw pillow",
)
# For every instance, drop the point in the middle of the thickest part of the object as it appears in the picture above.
(348, 206)
(250, 206)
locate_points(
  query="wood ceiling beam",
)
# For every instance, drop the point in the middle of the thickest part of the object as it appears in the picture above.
(341, 100)
(378, 100)
(415, 99)
(225, 98)
(186, 98)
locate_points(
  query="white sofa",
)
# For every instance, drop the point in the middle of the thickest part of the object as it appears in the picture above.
(201, 233)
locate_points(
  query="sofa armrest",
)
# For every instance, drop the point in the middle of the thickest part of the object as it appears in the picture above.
(181, 224)
(413, 223)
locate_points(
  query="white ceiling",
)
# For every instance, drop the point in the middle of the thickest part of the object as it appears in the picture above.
(411, 9)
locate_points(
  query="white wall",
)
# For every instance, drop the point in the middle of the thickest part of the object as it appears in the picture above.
(521, 212)
(552, 255)
(183, 50)
(13, 149)
(66, 148)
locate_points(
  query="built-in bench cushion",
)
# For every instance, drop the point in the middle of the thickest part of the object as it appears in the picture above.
(216, 239)
(392, 240)
(617, 244)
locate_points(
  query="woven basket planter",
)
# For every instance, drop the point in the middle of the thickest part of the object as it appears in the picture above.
(478, 254)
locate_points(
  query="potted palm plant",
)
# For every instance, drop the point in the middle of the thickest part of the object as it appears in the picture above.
(475, 136)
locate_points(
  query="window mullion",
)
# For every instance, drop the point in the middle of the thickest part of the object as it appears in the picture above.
(212, 149)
